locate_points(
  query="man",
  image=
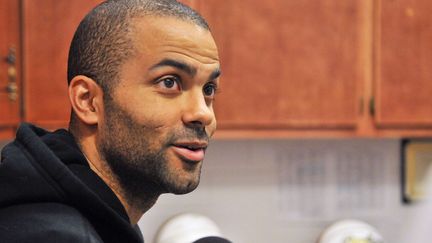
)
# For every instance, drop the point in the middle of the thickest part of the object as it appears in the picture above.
(142, 78)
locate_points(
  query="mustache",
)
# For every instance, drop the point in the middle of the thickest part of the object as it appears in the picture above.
(190, 133)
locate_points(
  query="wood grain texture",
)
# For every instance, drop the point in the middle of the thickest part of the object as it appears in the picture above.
(403, 64)
(7, 133)
(9, 37)
(290, 68)
(48, 29)
(288, 64)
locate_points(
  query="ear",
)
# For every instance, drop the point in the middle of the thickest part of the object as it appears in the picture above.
(86, 98)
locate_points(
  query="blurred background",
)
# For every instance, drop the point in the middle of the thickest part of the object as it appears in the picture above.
(325, 110)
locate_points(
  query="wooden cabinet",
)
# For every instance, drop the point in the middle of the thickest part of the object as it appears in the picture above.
(332, 68)
(10, 76)
(291, 68)
(48, 29)
(403, 48)
(289, 64)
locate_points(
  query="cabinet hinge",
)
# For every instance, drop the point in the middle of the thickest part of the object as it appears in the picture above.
(372, 106)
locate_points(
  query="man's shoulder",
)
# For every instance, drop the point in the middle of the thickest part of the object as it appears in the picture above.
(45, 222)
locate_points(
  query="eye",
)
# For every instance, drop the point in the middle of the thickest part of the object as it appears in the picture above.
(209, 89)
(169, 84)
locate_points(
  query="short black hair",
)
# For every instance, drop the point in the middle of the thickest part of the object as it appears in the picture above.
(102, 41)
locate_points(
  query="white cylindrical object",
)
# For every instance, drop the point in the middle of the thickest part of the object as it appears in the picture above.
(186, 228)
(346, 231)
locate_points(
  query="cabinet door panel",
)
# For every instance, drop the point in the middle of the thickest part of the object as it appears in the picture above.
(48, 29)
(9, 38)
(404, 64)
(288, 64)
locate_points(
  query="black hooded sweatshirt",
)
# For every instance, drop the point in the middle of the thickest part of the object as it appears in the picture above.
(48, 193)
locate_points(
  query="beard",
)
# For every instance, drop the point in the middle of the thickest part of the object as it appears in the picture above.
(137, 155)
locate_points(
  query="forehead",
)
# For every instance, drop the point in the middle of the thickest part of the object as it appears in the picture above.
(154, 36)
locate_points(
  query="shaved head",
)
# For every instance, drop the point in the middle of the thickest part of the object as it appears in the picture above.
(102, 41)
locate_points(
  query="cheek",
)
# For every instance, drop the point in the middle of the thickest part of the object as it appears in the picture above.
(155, 113)
(159, 119)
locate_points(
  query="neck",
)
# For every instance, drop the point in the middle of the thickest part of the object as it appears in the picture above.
(135, 208)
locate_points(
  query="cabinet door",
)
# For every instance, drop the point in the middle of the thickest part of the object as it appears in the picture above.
(48, 29)
(404, 64)
(289, 64)
(9, 67)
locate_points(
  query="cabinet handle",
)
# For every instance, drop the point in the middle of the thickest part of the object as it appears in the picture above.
(11, 57)
(12, 87)
(372, 106)
(12, 90)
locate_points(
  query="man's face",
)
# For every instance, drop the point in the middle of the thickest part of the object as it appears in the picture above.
(159, 117)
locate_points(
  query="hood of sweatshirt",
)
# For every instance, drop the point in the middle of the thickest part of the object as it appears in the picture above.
(41, 166)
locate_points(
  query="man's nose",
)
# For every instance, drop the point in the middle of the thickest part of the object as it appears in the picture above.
(197, 111)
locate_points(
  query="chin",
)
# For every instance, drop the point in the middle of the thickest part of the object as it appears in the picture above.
(183, 191)
(183, 184)
(182, 176)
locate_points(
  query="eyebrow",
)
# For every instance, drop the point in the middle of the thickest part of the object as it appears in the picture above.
(184, 67)
(176, 64)
(215, 74)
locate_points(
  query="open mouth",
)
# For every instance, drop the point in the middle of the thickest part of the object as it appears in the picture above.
(192, 152)
(193, 148)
